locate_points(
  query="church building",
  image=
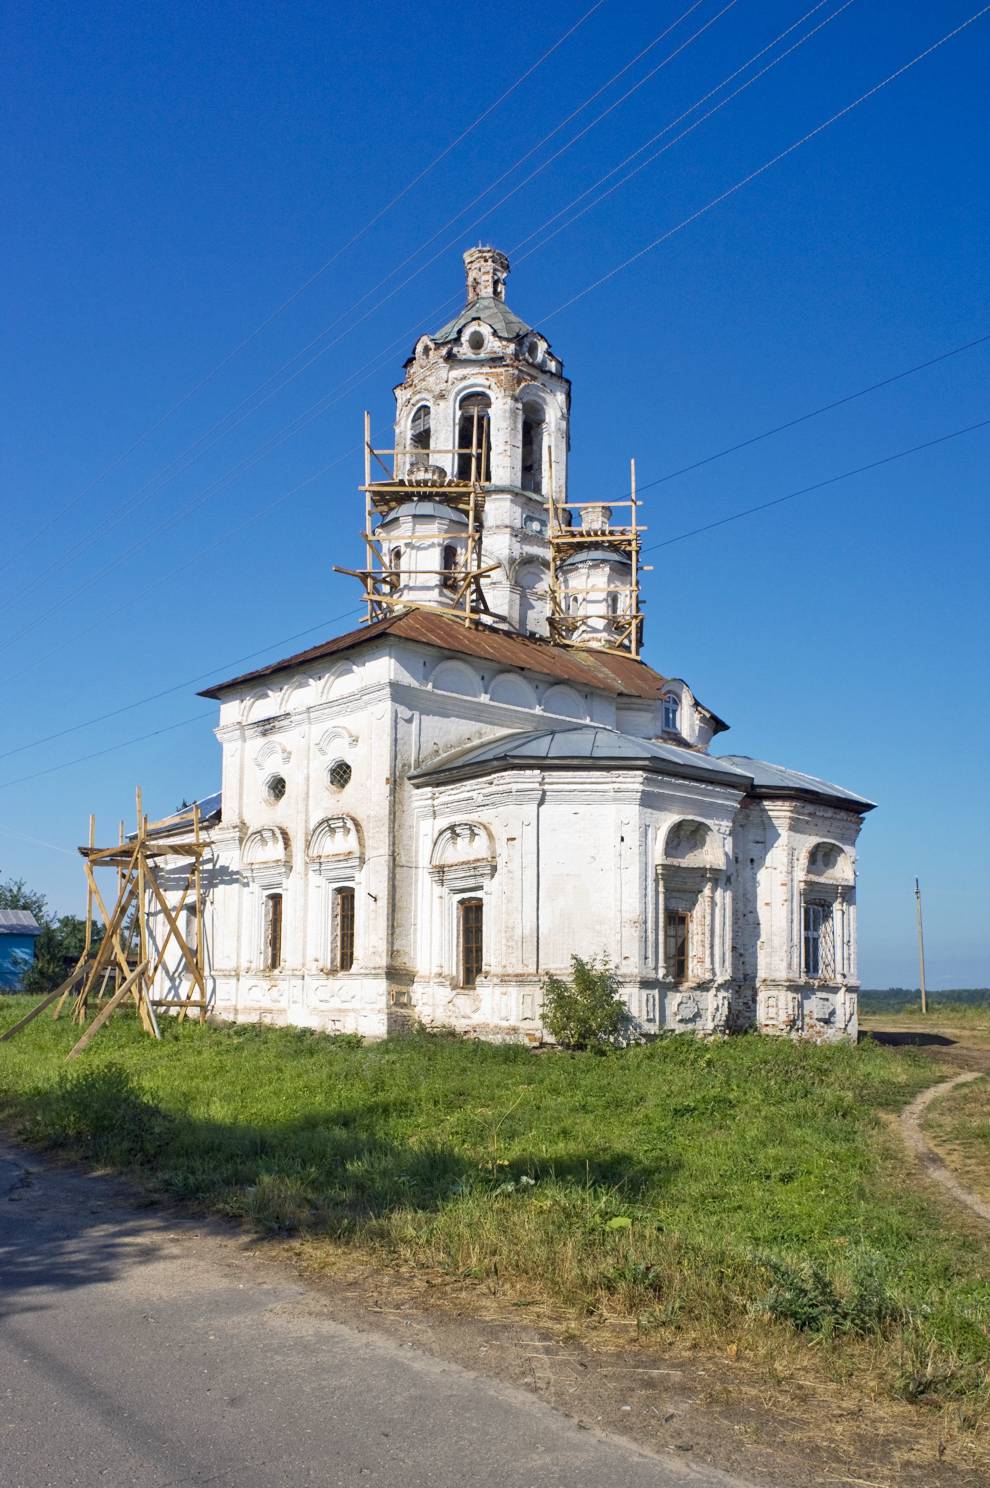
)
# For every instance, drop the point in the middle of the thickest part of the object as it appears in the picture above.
(420, 819)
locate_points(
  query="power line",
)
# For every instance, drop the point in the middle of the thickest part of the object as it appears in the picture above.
(818, 485)
(814, 413)
(153, 697)
(653, 547)
(767, 165)
(307, 283)
(752, 176)
(38, 841)
(110, 749)
(218, 431)
(296, 425)
(684, 133)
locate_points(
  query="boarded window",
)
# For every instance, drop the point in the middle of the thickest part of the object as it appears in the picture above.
(272, 934)
(677, 930)
(474, 439)
(471, 913)
(343, 929)
(818, 940)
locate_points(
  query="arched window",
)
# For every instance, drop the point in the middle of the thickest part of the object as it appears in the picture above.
(419, 429)
(471, 916)
(474, 438)
(342, 927)
(671, 713)
(394, 578)
(532, 448)
(271, 945)
(449, 576)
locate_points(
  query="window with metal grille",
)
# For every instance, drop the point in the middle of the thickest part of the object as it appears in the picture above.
(272, 933)
(471, 912)
(676, 930)
(343, 929)
(339, 774)
(819, 940)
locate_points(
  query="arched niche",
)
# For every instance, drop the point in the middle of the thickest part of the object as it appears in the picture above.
(272, 755)
(259, 705)
(828, 863)
(513, 689)
(338, 682)
(292, 695)
(265, 848)
(691, 844)
(336, 837)
(463, 854)
(456, 676)
(336, 740)
(565, 702)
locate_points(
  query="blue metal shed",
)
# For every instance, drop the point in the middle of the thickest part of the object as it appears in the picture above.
(18, 931)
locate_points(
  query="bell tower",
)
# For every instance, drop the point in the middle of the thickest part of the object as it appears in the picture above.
(485, 398)
(468, 511)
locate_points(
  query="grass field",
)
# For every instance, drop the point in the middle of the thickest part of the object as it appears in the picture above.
(747, 1192)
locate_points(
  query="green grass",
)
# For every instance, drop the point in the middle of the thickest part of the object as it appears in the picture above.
(747, 1189)
(900, 1000)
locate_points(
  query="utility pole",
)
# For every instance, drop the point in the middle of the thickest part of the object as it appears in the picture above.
(921, 945)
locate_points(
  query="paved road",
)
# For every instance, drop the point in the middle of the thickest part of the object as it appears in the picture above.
(134, 1351)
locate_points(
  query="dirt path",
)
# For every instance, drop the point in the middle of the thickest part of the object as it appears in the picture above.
(933, 1164)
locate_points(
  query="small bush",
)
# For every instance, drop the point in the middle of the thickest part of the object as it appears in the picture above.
(585, 1012)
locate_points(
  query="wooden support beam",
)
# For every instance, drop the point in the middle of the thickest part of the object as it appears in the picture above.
(105, 1012)
(45, 1002)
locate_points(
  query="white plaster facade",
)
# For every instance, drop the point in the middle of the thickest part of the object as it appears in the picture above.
(438, 815)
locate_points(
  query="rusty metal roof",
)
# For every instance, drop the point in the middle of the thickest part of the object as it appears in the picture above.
(623, 676)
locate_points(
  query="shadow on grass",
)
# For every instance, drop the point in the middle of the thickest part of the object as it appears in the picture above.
(335, 1179)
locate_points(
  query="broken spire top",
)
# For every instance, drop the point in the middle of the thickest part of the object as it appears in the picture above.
(487, 270)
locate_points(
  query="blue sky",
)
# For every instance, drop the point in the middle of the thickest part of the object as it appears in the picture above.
(175, 174)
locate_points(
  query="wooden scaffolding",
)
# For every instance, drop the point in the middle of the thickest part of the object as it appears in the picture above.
(393, 477)
(121, 963)
(594, 527)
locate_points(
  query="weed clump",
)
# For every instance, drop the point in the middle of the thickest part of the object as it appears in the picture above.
(587, 1011)
(813, 1301)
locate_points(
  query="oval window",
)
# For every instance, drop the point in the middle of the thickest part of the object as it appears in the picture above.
(339, 774)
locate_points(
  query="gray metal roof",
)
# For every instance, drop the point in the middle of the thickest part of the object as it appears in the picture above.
(180, 821)
(581, 745)
(591, 746)
(425, 509)
(494, 313)
(598, 555)
(768, 778)
(18, 922)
